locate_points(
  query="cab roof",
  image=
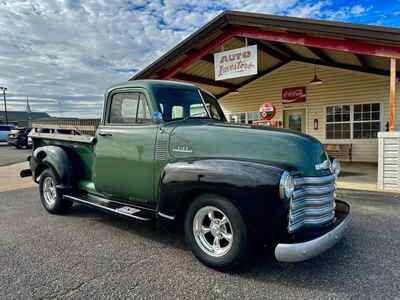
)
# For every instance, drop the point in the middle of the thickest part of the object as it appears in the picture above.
(150, 84)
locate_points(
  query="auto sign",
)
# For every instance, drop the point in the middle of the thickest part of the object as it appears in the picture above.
(235, 63)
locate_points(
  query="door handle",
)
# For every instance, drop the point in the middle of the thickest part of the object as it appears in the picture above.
(103, 133)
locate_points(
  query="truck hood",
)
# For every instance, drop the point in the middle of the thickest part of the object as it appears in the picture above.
(284, 148)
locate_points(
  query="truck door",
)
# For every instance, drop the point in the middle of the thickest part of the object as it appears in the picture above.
(124, 165)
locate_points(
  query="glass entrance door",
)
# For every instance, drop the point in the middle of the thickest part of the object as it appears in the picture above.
(295, 119)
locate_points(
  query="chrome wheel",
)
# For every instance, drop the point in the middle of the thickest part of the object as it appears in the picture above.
(49, 191)
(213, 231)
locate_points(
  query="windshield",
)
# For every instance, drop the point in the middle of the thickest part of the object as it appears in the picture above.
(183, 103)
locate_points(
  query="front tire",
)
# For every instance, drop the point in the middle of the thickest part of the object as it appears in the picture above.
(51, 198)
(215, 232)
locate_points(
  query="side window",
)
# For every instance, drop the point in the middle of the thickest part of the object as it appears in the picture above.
(143, 114)
(129, 108)
(123, 108)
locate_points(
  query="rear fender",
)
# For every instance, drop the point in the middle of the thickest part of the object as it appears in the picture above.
(54, 157)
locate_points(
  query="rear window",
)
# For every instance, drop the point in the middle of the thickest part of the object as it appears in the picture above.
(67, 131)
(5, 128)
(43, 130)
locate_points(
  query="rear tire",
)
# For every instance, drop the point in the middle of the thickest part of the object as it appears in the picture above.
(216, 233)
(51, 198)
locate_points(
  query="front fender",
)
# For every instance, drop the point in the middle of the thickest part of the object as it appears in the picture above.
(253, 187)
(56, 158)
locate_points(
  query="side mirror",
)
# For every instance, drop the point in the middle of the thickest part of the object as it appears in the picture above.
(157, 117)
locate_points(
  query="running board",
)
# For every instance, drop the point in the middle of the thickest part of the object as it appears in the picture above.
(114, 207)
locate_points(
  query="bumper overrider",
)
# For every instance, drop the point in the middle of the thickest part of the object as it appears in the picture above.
(300, 251)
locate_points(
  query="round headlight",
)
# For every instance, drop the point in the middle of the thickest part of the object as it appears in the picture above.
(335, 167)
(286, 186)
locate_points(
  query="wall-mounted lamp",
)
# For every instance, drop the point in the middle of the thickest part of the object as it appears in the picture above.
(315, 124)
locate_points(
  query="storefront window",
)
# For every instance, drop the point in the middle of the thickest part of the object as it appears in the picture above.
(253, 116)
(243, 118)
(338, 122)
(359, 121)
(246, 117)
(366, 121)
(233, 118)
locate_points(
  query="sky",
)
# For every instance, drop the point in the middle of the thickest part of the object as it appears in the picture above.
(63, 54)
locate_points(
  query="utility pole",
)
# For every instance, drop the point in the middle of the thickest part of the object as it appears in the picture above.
(61, 106)
(5, 102)
(28, 112)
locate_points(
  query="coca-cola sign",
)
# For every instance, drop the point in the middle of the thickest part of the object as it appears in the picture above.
(294, 94)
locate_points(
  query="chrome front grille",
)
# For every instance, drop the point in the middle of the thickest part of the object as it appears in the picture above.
(312, 203)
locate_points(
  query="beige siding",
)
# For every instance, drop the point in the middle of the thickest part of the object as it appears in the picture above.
(339, 87)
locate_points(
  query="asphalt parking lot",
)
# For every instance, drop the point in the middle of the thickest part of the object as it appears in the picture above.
(86, 253)
(10, 155)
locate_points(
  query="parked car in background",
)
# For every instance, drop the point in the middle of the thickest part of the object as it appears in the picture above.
(29, 142)
(5, 131)
(19, 137)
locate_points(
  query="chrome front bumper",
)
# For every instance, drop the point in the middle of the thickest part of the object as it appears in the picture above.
(305, 250)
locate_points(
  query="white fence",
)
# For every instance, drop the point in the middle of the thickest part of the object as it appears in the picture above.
(83, 126)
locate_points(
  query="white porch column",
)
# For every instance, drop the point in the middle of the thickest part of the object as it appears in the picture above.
(392, 95)
(389, 142)
(389, 160)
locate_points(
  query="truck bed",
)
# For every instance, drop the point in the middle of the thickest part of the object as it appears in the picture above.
(81, 147)
(86, 139)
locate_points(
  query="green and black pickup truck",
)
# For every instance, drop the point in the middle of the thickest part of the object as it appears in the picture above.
(164, 152)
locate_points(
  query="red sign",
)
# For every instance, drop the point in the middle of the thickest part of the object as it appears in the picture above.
(267, 111)
(294, 94)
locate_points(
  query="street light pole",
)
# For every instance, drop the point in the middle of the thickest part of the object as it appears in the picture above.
(5, 102)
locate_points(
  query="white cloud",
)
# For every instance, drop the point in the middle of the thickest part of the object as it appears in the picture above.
(309, 10)
(72, 50)
(357, 10)
(325, 9)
